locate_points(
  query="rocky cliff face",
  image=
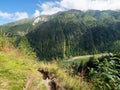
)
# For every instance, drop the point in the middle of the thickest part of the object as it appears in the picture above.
(39, 19)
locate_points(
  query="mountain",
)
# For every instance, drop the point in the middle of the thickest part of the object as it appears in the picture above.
(69, 33)
(17, 28)
(74, 32)
(24, 26)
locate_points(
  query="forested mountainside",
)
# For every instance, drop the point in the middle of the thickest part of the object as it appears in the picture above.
(71, 33)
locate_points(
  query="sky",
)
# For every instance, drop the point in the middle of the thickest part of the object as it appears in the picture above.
(12, 10)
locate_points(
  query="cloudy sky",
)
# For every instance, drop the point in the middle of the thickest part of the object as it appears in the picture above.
(12, 10)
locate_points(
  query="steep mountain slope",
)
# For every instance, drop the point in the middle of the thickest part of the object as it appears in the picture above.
(75, 32)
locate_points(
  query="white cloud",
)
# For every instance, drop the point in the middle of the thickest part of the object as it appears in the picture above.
(51, 7)
(72, 4)
(52, 10)
(55, 6)
(105, 5)
(13, 16)
(20, 15)
(37, 13)
(5, 15)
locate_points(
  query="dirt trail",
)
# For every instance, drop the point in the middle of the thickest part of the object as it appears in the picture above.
(85, 56)
(50, 81)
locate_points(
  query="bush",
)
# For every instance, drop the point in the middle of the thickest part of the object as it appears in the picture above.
(106, 73)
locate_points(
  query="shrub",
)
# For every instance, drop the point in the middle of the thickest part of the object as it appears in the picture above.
(106, 74)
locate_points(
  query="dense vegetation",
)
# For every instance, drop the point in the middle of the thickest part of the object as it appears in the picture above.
(103, 72)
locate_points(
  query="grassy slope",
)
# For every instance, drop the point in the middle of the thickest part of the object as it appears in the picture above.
(19, 71)
(16, 71)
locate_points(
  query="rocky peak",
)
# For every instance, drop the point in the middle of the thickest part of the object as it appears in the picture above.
(43, 18)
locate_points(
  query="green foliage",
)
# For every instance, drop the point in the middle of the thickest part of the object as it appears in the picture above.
(105, 72)
(114, 47)
(74, 67)
(25, 47)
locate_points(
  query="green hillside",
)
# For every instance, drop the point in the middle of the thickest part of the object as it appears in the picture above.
(20, 27)
(74, 33)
